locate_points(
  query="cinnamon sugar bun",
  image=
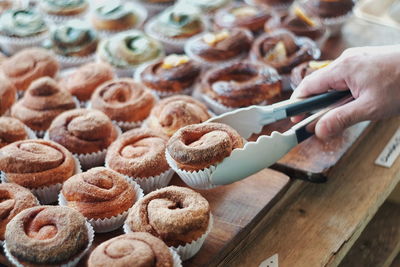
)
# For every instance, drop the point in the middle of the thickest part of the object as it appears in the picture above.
(83, 131)
(28, 65)
(7, 94)
(305, 69)
(177, 215)
(14, 199)
(175, 112)
(115, 16)
(11, 130)
(134, 249)
(84, 80)
(36, 163)
(43, 101)
(199, 146)
(123, 100)
(47, 235)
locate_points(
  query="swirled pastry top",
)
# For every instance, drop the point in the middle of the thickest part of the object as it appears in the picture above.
(175, 112)
(207, 5)
(43, 101)
(134, 249)
(22, 23)
(14, 199)
(74, 39)
(198, 146)
(173, 73)
(281, 50)
(252, 18)
(84, 80)
(129, 49)
(63, 7)
(11, 130)
(305, 69)
(114, 16)
(36, 163)
(180, 21)
(177, 215)
(123, 100)
(28, 65)
(222, 45)
(328, 8)
(138, 153)
(47, 235)
(83, 131)
(241, 84)
(99, 193)
(7, 94)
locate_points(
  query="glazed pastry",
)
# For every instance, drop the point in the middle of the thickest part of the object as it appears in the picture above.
(14, 199)
(28, 65)
(74, 39)
(177, 215)
(47, 235)
(328, 8)
(99, 193)
(129, 49)
(221, 46)
(83, 131)
(243, 16)
(22, 23)
(138, 153)
(11, 130)
(281, 50)
(241, 84)
(134, 249)
(175, 112)
(172, 74)
(84, 80)
(199, 146)
(123, 100)
(43, 101)
(207, 5)
(306, 69)
(63, 7)
(114, 16)
(7, 94)
(36, 163)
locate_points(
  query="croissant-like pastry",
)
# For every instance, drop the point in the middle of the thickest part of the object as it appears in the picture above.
(63, 7)
(7, 94)
(11, 130)
(22, 23)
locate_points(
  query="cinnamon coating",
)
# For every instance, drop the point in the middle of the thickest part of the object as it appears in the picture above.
(98, 193)
(84, 81)
(36, 163)
(11, 130)
(7, 94)
(175, 112)
(28, 65)
(14, 199)
(242, 84)
(171, 79)
(134, 249)
(123, 100)
(83, 131)
(177, 215)
(138, 153)
(43, 101)
(199, 146)
(47, 235)
(281, 50)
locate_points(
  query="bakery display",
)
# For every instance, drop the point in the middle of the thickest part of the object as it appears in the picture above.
(123, 100)
(174, 74)
(47, 235)
(177, 215)
(14, 199)
(42, 102)
(12, 130)
(175, 112)
(60, 11)
(28, 65)
(8, 94)
(83, 81)
(306, 68)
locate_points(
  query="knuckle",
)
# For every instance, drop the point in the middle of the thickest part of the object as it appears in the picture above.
(343, 120)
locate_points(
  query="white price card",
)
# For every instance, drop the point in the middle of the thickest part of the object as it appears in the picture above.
(390, 152)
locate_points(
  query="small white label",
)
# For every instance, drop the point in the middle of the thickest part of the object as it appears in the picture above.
(390, 152)
(270, 262)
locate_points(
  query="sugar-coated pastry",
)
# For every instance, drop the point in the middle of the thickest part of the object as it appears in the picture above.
(11, 130)
(8, 94)
(28, 65)
(63, 7)
(114, 16)
(175, 112)
(199, 146)
(306, 68)
(22, 23)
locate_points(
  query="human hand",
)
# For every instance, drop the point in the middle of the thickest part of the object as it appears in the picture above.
(373, 76)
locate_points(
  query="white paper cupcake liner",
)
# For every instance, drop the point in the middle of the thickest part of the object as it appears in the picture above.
(177, 262)
(70, 62)
(153, 8)
(108, 224)
(63, 19)
(31, 134)
(71, 263)
(279, 7)
(335, 24)
(12, 45)
(196, 179)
